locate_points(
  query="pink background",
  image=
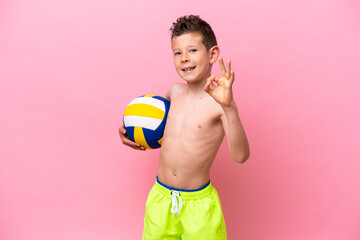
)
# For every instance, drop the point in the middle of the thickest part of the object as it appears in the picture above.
(68, 69)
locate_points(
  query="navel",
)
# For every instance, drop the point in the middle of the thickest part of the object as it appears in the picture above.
(174, 173)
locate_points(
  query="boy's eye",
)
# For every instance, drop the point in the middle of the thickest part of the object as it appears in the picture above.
(193, 50)
(177, 53)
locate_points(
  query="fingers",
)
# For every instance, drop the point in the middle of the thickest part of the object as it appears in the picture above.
(210, 86)
(206, 87)
(228, 69)
(122, 130)
(232, 77)
(225, 71)
(126, 141)
(139, 148)
(208, 82)
(222, 67)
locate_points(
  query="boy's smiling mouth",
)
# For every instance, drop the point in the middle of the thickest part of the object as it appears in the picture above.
(188, 69)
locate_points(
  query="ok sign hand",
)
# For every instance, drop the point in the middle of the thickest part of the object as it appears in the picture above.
(222, 90)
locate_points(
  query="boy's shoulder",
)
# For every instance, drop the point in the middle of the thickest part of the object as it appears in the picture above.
(176, 88)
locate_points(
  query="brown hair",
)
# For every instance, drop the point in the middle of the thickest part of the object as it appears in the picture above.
(192, 23)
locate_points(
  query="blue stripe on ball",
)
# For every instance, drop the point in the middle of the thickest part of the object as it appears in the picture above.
(130, 133)
(151, 138)
(160, 98)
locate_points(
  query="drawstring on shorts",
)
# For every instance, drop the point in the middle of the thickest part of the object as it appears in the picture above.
(176, 200)
(175, 207)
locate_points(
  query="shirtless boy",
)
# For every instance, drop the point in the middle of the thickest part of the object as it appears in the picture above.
(183, 204)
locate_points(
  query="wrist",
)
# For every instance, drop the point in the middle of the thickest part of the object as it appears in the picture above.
(230, 107)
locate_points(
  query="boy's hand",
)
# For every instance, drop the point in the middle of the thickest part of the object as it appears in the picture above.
(126, 141)
(222, 92)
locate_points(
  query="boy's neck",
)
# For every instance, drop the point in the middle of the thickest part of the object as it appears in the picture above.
(196, 89)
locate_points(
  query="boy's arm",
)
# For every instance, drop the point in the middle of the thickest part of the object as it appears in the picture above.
(222, 93)
(126, 141)
(235, 134)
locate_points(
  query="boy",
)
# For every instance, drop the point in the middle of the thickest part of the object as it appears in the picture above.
(183, 204)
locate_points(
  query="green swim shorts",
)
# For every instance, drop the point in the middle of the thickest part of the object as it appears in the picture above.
(173, 213)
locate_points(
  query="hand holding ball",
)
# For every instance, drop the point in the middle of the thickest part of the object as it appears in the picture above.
(145, 119)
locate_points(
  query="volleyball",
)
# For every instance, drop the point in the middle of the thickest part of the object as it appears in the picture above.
(145, 119)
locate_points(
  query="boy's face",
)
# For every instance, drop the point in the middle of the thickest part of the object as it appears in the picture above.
(191, 59)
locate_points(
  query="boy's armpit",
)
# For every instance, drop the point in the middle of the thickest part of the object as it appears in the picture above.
(168, 94)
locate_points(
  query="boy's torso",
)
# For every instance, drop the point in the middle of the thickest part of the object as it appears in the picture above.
(192, 137)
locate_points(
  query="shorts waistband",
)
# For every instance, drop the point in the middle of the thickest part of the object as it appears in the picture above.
(184, 193)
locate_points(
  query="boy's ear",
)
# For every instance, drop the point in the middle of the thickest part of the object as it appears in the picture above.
(214, 54)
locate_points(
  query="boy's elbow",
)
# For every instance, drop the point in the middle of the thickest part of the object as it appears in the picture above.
(242, 158)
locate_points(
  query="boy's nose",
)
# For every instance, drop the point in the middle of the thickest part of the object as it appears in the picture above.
(184, 57)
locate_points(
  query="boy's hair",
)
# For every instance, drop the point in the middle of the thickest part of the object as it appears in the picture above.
(192, 23)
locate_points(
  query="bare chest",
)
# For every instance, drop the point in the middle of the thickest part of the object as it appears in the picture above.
(192, 116)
